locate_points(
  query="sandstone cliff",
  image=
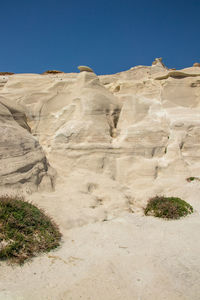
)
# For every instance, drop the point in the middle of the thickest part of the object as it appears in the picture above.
(91, 150)
(112, 137)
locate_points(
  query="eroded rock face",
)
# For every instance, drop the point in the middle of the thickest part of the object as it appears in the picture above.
(23, 162)
(137, 129)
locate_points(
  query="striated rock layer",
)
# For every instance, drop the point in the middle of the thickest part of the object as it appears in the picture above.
(23, 162)
(129, 132)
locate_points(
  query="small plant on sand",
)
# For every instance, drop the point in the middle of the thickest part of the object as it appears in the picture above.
(52, 72)
(189, 179)
(6, 73)
(167, 207)
(25, 230)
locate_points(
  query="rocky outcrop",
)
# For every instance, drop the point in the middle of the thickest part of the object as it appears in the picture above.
(23, 162)
(159, 63)
(115, 141)
(135, 128)
(4, 78)
(85, 69)
(196, 64)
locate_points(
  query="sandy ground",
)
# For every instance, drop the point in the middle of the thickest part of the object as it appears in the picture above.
(129, 257)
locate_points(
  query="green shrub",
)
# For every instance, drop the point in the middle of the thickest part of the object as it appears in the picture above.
(25, 230)
(167, 207)
(189, 179)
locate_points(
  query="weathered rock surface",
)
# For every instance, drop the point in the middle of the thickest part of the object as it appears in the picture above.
(135, 128)
(114, 141)
(23, 162)
(85, 68)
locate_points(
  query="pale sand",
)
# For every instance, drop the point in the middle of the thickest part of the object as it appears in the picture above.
(129, 257)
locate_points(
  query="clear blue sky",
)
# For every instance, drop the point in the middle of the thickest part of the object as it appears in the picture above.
(108, 35)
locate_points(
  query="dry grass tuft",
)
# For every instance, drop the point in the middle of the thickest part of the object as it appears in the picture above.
(52, 72)
(6, 73)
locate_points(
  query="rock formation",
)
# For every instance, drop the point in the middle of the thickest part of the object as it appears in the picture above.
(23, 162)
(196, 64)
(137, 128)
(85, 68)
(91, 150)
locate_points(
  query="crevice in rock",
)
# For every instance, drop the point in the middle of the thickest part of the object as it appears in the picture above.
(153, 152)
(26, 168)
(30, 166)
(181, 145)
(176, 75)
(156, 172)
(195, 84)
(52, 180)
(39, 177)
(113, 118)
(45, 162)
(22, 181)
(115, 115)
(103, 163)
(117, 88)
(21, 119)
(18, 116)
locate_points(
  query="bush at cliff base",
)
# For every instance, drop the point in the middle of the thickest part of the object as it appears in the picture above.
(168, 207)
(25, 230)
